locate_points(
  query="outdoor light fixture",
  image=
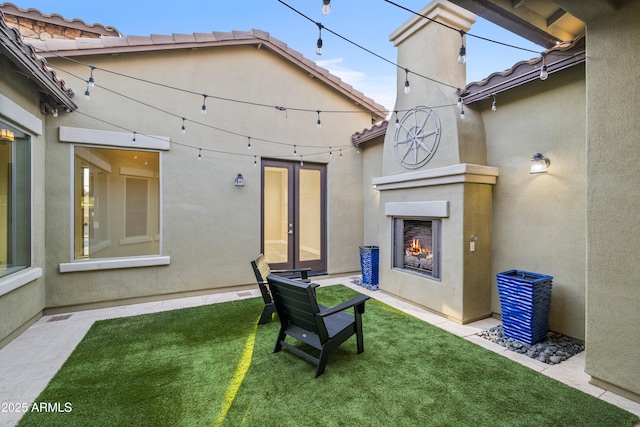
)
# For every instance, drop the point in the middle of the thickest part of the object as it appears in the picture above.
(6, 136)
(319, 43)
(407, 88)
(326, 7)
(462, 53)
(239, 182)
(544, 73)
(539, 163)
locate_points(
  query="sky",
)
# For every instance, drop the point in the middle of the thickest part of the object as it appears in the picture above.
(367, 23)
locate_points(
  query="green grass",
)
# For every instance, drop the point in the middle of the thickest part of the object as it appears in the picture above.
(184, 368)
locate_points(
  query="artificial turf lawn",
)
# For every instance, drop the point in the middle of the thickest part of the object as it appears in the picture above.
(185, 368)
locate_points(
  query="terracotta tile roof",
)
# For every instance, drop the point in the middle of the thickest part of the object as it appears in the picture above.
(55, 19)
(378, 129)
(557, 59)
(156, 42)
(35, 67)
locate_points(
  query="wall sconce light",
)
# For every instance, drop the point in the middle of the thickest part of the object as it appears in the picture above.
(539, 163)
(6, 135)
(239, 182)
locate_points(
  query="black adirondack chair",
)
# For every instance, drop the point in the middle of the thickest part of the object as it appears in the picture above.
(261, 269)
(320, 327)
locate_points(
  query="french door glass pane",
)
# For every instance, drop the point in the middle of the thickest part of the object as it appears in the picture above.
(276, 208)
(310, 210)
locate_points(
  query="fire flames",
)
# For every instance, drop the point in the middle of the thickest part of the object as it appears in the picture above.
(415, 248)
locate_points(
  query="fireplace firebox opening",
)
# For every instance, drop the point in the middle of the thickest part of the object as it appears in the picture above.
(416, 245)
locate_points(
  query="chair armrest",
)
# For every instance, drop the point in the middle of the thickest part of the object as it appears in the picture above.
(304, 272)
(353, 302)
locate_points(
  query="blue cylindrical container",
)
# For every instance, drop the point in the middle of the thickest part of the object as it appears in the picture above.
(369, 259)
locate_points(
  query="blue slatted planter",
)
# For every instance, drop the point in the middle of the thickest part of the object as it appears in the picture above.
(525, 298)
(369, 256)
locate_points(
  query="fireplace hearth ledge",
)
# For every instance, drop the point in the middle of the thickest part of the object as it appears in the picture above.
(459, 173)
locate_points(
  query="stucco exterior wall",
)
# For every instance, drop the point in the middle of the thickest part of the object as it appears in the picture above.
(211, 229)
(24, 304)
(613, 200)
(539, 219)
(372, 168)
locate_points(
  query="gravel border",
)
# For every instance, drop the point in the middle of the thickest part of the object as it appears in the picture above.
(554, 349)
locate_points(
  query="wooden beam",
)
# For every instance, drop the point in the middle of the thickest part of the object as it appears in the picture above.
(555, 16)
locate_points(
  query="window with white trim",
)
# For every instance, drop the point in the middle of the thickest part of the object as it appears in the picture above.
(116, 202)
(15, 200)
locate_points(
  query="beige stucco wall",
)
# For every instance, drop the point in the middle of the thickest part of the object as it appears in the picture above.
(211, 229)
(21, 306)
(371, 168)
(613, 199)
(539, 220)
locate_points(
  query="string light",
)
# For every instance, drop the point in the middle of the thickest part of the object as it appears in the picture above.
(319, 43)
(134, 137)
(294, 150)
(87, 94)
(184, 129)
(341, 153)
(255, 161)
(397, 120)
(459, 101)
(301, 162)
(330, 152)
(248, 143)
(407, 88)
(326, 7)
(493, 104)
(462, 53)
(199, 153)
(462, 112)
(92, 82)
(543, 71)
(318, 123)
(203, 110)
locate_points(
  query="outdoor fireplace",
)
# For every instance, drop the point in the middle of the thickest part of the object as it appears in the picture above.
(417, 246)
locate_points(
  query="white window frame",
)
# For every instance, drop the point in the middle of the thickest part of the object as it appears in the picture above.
(109, 139)
(22, 119)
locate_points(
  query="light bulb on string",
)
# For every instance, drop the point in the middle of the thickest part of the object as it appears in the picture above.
(203, 110)
(294, 150)
(199, 153)
(134, 137)
(330, 152)
(318, 123)
(301, 162)
(255, 161)
(407, 88)
(248, 143)
(459, 102)
(462, 112)
(92, 82)
(462, 53)
(326, 7)
(87, 94)
(397, 120)
(341, 153)
(544, 73)
(184, 129)
(319, 42)
(493, 104)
